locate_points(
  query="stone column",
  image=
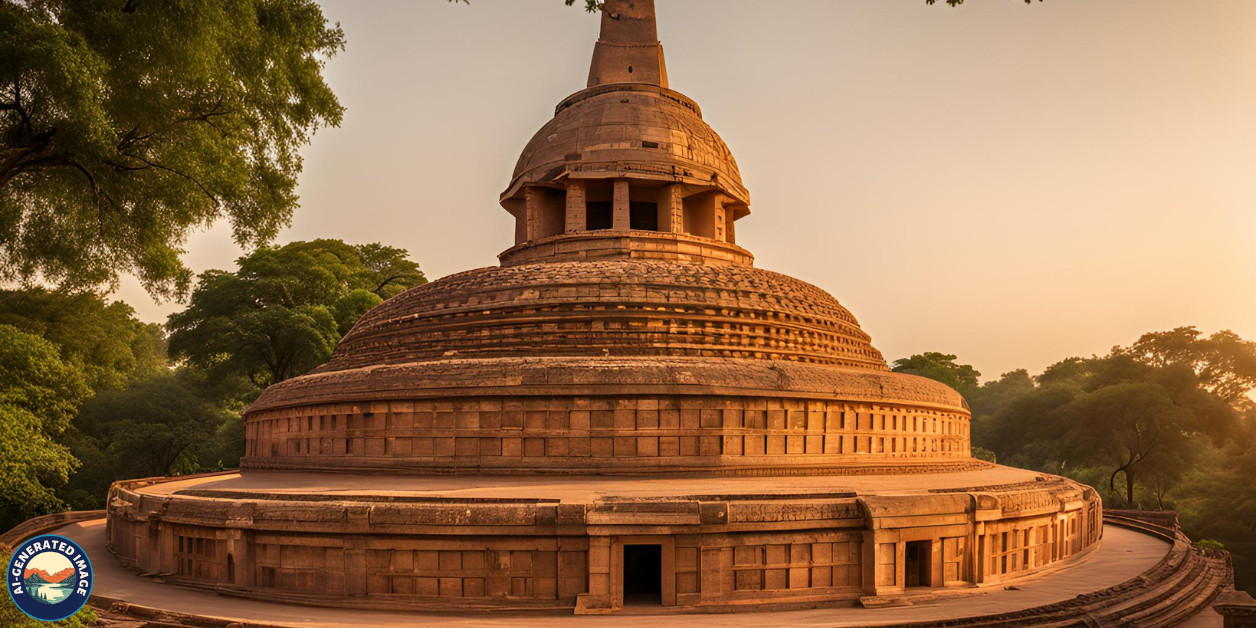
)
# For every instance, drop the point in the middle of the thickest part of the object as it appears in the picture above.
(577, 209)
(721, 220)
(672, 206)
(599, 600)
(622, 207)
(532, 212)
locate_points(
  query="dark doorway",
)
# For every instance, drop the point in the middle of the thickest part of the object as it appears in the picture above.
(643, 574)
(600, 215)
(919, 563)
(643, 216)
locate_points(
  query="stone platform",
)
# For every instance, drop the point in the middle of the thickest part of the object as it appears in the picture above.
(570, 489)
(1123, 555)
(540, 542)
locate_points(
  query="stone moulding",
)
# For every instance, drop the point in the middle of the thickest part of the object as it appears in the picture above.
(609, 376)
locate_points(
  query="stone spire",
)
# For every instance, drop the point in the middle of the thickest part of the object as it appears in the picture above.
(628, 50)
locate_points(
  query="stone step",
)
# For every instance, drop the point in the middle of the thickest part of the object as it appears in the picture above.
(1199, 600)
(1151, 616)
(1127, 606)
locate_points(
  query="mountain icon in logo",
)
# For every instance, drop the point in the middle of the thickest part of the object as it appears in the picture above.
(49, 577)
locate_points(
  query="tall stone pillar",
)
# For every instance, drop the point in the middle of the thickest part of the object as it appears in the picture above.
(577, 207)
(622, 207)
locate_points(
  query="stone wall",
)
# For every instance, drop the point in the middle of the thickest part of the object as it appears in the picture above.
(717, 552)
(554, 433)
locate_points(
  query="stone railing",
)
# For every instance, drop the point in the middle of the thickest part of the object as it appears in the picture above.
(46, 523)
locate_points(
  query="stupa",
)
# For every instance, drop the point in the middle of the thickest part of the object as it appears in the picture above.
(625, 407)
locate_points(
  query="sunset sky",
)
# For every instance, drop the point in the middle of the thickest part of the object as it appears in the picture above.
(1013, 183)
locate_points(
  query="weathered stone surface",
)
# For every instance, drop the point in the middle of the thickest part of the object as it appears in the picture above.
(626, 399)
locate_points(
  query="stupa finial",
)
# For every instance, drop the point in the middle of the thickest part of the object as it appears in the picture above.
(628, 50)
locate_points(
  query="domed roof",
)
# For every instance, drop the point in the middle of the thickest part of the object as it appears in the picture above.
(628, 124)
(633, 131)
(610, 308)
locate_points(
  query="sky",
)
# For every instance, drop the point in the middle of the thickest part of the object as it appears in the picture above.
(1012, 183)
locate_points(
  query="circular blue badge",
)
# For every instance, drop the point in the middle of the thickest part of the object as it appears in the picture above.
(49, 577)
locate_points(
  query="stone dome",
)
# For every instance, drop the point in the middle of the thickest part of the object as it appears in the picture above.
(613, 308)
(630, 131)
(624, 332)
(625, 398)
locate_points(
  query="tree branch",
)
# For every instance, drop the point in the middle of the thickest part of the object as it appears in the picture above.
(184, 175)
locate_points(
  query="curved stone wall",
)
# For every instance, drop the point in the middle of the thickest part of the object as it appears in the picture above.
(510, 552)
(555, 415)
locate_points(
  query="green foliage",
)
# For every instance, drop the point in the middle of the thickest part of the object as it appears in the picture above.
(11, 617)
(104, 339)
(1129, 428)
(1218, 501)
(39, 394)
(941, 367)
(282, 313)
(158, 426)
(1165, 423)
(123, 125)
(981, 453)
(996, 394)
(1225, 362)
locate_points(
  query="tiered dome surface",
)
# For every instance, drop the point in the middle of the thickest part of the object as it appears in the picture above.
(610, 308)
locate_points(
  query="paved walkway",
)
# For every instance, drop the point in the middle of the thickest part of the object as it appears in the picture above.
(1122, 555)
(577, 488)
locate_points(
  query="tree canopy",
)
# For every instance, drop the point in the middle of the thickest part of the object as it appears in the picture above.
(124, 124)
(39, 394)
(1224, 361)
(282, 313)
(104, 339)
(941, 367)
(158, 426)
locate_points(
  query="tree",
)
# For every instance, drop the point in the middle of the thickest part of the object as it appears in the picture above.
(1224, 361)
(39, 394)
(124, 124)
(1219, 502)
(941, 367)
(153, 427)
(282, 313)
(996, 394)
(104, 339)
(1128, 427)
